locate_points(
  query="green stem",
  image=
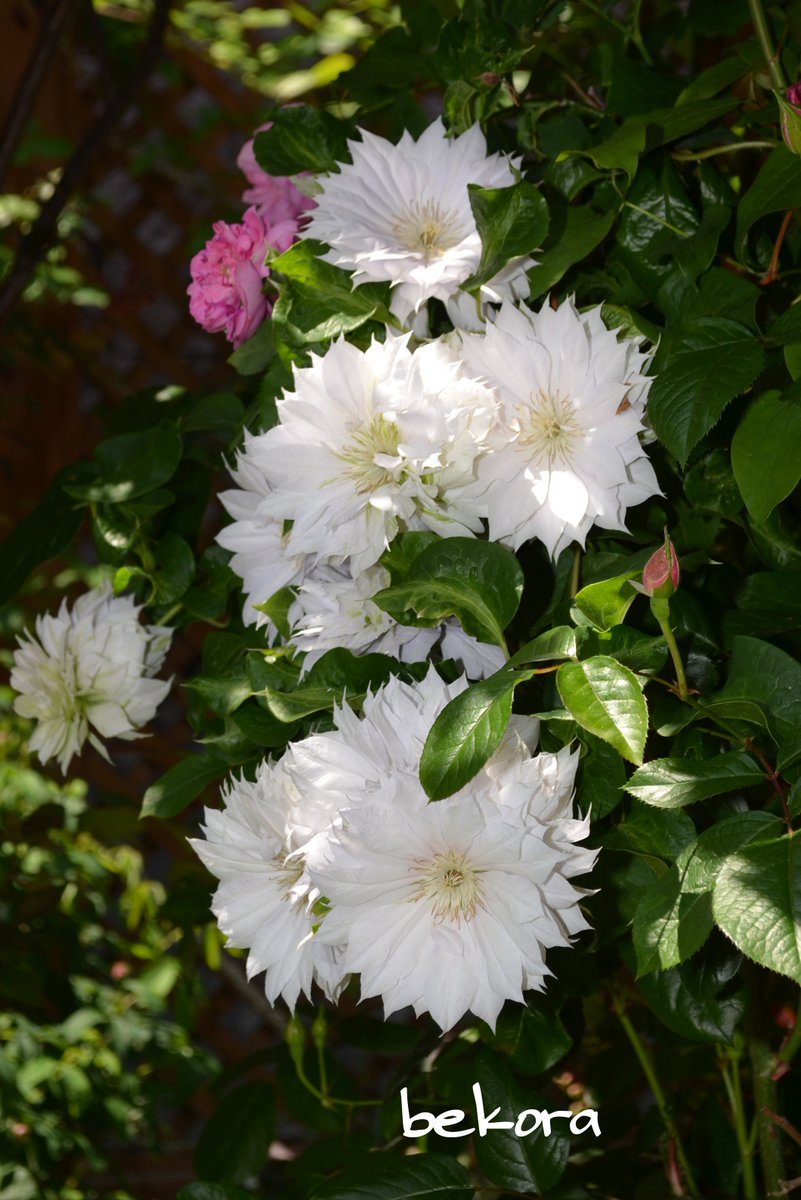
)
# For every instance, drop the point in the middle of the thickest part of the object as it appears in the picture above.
(735, 1093)
(728, 148)
(575, 574)
(763, 1062)
(661, 1100)
(661, 610)
(763, 37)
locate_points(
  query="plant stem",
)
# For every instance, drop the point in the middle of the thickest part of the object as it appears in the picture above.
(661, 610)
(661, 1100)
(735, 1093)
(762, 1064)
(727, 148)
(763, 37)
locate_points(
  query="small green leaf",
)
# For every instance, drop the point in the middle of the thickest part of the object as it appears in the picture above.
(438, 1176)
(606, 603)
(254, 355)
(606, 699)
(532, 1036)
(132, 464)
(319, 301)
(478, 582)
(233, 1144)
(697, 999)
(670, 924)
(301, 139)
(40, 536)
(766, 452)
(713, 361)
(757, 903)
(293, 706)
(559, 642)
(175, 569)
(603, 774)
(180, 785)
(674, 782)
(644, 132)
(466, 733)
(511, 223)
(221, 413)
(777, 187)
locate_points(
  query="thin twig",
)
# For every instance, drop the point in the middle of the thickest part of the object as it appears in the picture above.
(45, 229)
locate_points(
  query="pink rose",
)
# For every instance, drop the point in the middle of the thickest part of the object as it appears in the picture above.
(274, 196)
(226, 291)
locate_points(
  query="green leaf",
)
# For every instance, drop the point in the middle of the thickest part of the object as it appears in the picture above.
(221, 413)
(40, 536)
(787, 328)
(652, 833)
(261, 726)
(699, 862)
(713, 80)
(319, 301)
(180, 785)
(294, 706)
(346, 673)
(532, 1036)
(223, 693)
(466, 733)
(766, 452)
(606, 699)
(770, 678)
(603, 774)
(254, 355)
(674, 782)
(574, 234)
(132, 464)
(605, 604)
(301, 139)
(696, 999)
(711, 363)
(757, 903)
(776, 188)
(175, 568)
(559, 642)
(423, 1176)
(670, 924)
(643, 133)
(478, 582)
(233, 1144)
(511, 223)
(523, 1165)
(212, 1191)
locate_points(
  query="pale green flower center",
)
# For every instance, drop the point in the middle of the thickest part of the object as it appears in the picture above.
(427, 230)
(548, 425)
(451, 884)
(365, 451)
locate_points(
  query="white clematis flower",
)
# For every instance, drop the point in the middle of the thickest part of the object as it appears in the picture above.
(446, 907)
(264, 902)
(371, 443)
(335, 609)
(402, 213)
(565, 451)
(86, 674)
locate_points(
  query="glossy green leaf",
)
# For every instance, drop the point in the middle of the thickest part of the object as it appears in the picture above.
(175, 569)
(478, 582)
(606, 603)
(652, 832)
(234, 1142)
(776, 188)
(770, 678)
(437, 1176)
(713, 361)
(699, 862)
(757, 903)
(532, 1036)
(646, 131)
(674, 782)
(466, 733)
(511, 222)
(603, 774)
(179, 786)
(698, 999)
(524, 1165)
(132, 464)
(301, 139)
(606, 699)
(318, 301)
(559, 642)
(670, 924)
(766, 452)
(574, 234)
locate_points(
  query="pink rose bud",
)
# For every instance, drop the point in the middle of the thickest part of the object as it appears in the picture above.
(119, 970)
(226, 292)
(790, 108)
(661, 573)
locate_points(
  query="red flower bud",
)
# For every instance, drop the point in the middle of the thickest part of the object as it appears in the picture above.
(790, 109)
(661, 573)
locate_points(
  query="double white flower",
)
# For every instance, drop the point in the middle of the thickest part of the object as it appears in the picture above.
(334, 862)
(88, 672)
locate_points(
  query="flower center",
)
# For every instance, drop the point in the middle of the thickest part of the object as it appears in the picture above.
(372, 455)
(548, 424)
(453, 886)
(427, 230)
